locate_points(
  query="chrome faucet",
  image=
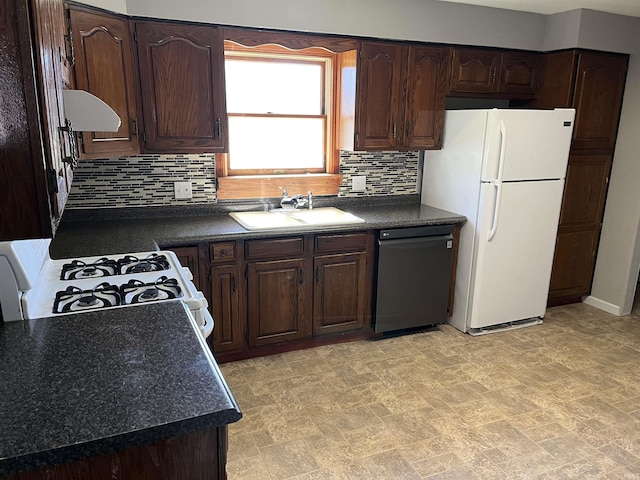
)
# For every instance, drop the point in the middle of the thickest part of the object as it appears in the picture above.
(296, 201)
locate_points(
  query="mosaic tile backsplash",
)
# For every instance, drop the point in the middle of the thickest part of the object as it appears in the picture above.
(147, 180)
(388, 173)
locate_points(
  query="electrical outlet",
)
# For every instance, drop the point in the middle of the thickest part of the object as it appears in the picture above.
(359, 183)
(182, 190)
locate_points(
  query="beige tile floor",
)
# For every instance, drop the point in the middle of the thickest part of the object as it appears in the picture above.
(556, 401)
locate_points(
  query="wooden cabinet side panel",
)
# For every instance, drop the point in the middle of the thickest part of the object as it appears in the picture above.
(198, 456)
(378, 95)
(598, 99)
(23, 189)
(425, 97)
(104, 67)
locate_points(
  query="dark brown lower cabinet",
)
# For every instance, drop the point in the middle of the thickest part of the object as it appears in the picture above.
(339, 294)
(197, 456)
(276, 301)
(188, 257)
(225, 306)
(580, 223)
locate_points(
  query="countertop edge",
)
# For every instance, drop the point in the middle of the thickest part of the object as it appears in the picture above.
(103, 446)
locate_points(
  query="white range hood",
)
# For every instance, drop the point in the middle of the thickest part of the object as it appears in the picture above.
(88, 113)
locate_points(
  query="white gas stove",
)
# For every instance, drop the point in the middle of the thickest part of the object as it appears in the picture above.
(32, 285)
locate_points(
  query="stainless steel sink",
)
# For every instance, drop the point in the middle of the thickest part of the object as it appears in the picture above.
(281, 218)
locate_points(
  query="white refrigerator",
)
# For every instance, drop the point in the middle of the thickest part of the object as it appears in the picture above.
(504, 170)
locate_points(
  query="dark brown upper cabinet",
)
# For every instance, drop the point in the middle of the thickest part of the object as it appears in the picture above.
(519, 73)
(35, 145)
(104, 67)
(400, 97)
(597, 99)
(501, 74)
(378, 107)
(182, 88)
(424, 102)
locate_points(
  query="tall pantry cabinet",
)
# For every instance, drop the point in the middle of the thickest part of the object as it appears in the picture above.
(593, 84)
(37, 147)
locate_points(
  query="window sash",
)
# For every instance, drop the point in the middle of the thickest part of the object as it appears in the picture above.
(325, 110)
(276, 136)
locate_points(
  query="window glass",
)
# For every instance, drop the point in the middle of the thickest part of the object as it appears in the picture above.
(280, 87)
(276, 143)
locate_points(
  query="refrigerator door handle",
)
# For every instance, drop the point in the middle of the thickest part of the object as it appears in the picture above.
(503, 148)
(498, 183)
(496, 210)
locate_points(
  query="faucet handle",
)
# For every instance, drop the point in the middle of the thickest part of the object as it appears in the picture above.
(284, 192)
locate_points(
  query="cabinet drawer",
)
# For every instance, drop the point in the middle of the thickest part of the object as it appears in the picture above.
(341, 242)
(223, 251)
(280, 247)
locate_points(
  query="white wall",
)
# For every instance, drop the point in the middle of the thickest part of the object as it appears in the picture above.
(618, 260)
(609, 32)
(422, 20)
(119, 6)
(562, 30)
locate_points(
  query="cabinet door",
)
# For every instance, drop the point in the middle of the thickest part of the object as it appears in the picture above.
(598, 99)
(228, 331)
(339, 293)
(379, 88)
(474, 71)
(579, 229)
(519, 73)
(48, 17)
(276, 301)
(182, 88)
(188, 257)
(425, 97)
(573, 264)
(104, 67)
(557, 78)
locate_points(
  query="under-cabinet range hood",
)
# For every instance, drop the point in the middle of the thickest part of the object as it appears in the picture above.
(88, 113)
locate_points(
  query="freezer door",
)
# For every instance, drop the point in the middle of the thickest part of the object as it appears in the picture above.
(514, 251)
(527, 144)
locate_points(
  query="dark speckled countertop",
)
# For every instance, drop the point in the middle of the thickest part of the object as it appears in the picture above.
(76, 386)
(121, 233)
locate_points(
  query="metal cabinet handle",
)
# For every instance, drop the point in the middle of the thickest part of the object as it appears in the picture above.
(218, 127)
(74, 154)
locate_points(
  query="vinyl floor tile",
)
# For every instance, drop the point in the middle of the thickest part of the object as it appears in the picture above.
(559, 400)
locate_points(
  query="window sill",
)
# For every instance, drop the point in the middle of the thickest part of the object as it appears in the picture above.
(266, 186)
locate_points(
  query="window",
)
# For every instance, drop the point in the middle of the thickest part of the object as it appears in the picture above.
(280, 107)
(277, 113)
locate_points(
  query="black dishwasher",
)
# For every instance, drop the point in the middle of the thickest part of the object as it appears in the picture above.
(414, 271)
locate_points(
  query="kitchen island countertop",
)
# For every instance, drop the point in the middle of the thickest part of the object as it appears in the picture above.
(77, 386)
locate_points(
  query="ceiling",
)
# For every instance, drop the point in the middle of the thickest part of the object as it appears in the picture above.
(547, 7)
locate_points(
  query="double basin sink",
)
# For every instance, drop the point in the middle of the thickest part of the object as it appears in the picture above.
(281, 218)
